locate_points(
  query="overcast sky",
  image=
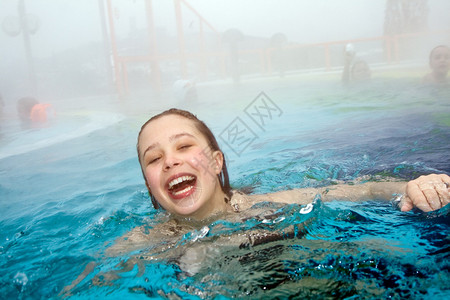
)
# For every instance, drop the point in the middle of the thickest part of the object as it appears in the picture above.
(66, 23)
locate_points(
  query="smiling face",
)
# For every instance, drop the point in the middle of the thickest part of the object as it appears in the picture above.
(180, 168)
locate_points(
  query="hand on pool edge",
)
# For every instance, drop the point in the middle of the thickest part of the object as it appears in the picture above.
(427, 193)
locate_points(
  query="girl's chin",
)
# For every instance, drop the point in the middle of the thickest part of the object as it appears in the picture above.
(188, 203)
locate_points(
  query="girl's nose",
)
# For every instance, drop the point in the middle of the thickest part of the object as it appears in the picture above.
(171, 162)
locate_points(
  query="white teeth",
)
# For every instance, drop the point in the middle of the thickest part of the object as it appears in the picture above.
(184, 190)
(179, 180)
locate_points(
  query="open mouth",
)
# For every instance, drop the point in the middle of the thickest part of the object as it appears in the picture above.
(182, 186)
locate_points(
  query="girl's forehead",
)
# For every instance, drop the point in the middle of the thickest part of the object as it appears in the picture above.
(168, 126)
(174, 122)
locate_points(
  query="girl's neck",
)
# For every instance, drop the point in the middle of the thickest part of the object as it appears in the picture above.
(216, 206)
(198, 221)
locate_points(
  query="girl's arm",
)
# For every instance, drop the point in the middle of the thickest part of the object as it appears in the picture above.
(428, 192)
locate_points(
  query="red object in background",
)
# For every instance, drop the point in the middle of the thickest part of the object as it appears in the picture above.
(40, 112)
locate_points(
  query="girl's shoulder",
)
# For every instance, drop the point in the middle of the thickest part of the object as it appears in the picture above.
(240, 201)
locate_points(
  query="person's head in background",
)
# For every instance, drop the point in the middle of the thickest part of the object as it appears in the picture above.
(360, 71)
(33, 113)
(439, 65)
(24, 107)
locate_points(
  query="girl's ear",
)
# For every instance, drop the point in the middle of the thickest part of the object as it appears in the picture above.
(218, 161)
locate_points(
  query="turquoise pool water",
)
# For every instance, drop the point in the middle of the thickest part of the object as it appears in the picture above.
(68, 191)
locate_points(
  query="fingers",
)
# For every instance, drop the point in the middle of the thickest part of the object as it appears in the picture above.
(439, 196)
(443, 193)
(430, 192)
(445, 178)
(416, 197)
(431, 196)
(406, 204)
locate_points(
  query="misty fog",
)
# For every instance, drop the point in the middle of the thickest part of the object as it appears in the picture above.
(71, 47)
(275, 82)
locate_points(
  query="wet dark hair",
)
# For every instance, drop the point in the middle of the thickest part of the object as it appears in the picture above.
(24, 107)
(206, 132)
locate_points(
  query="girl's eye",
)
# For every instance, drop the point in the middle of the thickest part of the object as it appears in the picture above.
(183, 147)
(153, 160)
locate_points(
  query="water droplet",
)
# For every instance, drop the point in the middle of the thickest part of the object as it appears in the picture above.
(307, 209)
(20, 279)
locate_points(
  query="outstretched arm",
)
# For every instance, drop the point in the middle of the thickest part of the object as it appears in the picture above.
(428, 192)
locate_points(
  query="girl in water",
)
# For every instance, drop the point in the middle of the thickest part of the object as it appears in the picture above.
(186, 174)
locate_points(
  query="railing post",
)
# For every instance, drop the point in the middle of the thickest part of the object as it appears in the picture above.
(117, 75)
(180, 34)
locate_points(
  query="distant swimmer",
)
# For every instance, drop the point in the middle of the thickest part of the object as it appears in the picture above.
(355, 70)
(31, 112)
(440, 65)
(41, 112)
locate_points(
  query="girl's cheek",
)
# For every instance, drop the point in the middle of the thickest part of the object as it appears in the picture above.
(151, 176)
(205, 165)
(201, 161)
